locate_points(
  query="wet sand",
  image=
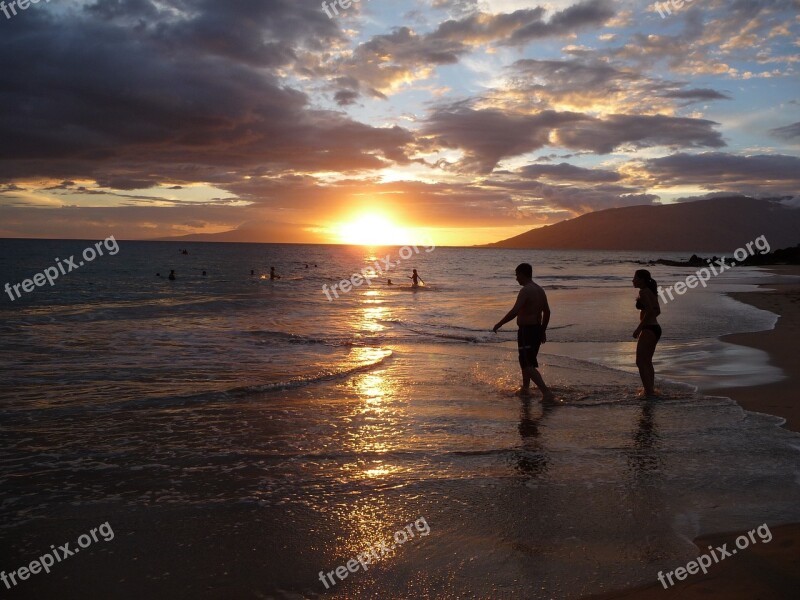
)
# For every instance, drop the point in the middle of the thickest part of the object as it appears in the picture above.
(765, 571)
(760, 572)
(250, 497)
(781, 398)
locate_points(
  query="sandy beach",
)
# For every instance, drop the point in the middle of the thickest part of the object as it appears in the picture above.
(777, 398)
(765, 571)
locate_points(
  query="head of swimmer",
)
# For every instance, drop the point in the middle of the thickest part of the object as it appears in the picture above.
(524, 273)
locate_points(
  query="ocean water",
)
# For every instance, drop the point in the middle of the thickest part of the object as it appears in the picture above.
(339, 422)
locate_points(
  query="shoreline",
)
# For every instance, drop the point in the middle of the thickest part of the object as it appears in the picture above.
(771, 570)
(778, 398)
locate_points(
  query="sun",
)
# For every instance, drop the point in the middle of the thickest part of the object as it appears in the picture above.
(371, 230)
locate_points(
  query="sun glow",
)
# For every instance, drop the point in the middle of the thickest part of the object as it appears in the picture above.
(372, 230)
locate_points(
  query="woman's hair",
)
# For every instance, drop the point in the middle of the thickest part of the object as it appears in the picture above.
(645, 275)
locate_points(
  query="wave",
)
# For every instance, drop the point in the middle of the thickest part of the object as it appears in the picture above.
(208, 397)
(294, 338)
(277, 386)
(450, 332)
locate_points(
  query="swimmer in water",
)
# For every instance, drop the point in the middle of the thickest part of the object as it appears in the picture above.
(272, 274)
(172, 275)
(415, 279)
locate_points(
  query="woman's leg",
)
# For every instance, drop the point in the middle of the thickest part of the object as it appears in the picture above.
(645, 349)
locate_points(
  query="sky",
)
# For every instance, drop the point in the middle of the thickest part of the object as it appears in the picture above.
(393, 121)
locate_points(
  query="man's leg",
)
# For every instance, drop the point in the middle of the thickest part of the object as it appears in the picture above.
(526, 382)
(523, 365)
(533, 360)
(547, 395)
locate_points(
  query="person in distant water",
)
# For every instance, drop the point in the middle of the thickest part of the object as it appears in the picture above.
(172, 275)
(306, 266)
(389, 282)
(415, 279)
(158, 274)
(533, 315)
(252, 273)
(649, 331)
(204, 274)
(272, 274)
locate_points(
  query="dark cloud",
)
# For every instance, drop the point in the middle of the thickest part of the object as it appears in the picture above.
(523, 26)
(640, 131)
(593, 83)
(567, 172)
(749, 175)
(146, 101)
(571, 199)
(487, 136)
(787, 132)
(698, 94)
(585, 14)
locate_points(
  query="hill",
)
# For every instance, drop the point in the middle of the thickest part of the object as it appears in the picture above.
(717, 224)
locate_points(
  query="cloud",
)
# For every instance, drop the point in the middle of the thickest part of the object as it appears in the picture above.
(487, 136)
(167, 101)
(787, 132)
(262, 108)
(593, 83)
(386, 61)
(567, 172)
(758, 175)
(641, 131)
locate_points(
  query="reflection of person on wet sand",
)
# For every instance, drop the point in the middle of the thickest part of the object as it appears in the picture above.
(649, 331)
(533, 315)
(533, 461)
(645, 458)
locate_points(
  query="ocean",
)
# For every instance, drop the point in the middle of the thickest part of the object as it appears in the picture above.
(300, 430)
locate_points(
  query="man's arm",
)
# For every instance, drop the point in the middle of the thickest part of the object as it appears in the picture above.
(512, 313)
(545, 317)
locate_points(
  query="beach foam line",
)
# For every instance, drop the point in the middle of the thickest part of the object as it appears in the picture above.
(294, 338)
(236, 393)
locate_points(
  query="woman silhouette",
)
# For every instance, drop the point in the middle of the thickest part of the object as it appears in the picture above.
(649, 331)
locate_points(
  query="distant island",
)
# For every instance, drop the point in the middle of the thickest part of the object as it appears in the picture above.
(718, 225)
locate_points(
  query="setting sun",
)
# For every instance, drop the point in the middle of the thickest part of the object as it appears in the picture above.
(372, 230)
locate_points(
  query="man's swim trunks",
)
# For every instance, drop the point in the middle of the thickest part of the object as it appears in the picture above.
(529, 338)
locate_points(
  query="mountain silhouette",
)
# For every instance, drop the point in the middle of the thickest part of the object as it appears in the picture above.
(720, 224)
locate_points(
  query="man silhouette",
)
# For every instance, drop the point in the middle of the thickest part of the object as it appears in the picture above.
(533, 315)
